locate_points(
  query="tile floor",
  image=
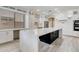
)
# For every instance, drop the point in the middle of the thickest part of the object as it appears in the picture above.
(69, 44)
(12, 46)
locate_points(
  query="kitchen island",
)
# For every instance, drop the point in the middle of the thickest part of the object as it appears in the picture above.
(29, 39)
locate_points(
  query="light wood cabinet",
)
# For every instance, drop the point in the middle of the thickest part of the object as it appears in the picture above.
(19, 20)
(6, 19)
(51, 21)
(11, 20)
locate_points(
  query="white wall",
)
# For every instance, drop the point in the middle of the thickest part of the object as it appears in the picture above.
(68, 27)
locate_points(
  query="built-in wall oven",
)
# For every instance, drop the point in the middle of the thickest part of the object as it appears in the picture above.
(76, 25)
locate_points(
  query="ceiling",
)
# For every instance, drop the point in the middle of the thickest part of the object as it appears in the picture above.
(60, 11)
(46, 8)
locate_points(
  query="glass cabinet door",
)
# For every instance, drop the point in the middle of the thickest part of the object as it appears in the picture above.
(6, 19)
(19, 20)
(11, 20)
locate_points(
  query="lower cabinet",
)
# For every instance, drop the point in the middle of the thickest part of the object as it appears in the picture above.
(50, 37)
(6, 36)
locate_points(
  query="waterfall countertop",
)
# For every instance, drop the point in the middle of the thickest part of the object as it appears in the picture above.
(29, 39)
(42, 31)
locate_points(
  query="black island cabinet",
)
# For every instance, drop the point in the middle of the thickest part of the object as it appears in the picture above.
(50, 37)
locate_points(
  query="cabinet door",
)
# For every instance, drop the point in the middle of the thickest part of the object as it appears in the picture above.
(6, 36)
(3, 36)
(6, 19)
(10, 35)
(19, 20)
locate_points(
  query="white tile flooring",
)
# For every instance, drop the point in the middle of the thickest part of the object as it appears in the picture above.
(69, 44)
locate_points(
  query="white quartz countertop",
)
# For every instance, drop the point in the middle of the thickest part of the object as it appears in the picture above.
(44, 31)
(11, 29)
